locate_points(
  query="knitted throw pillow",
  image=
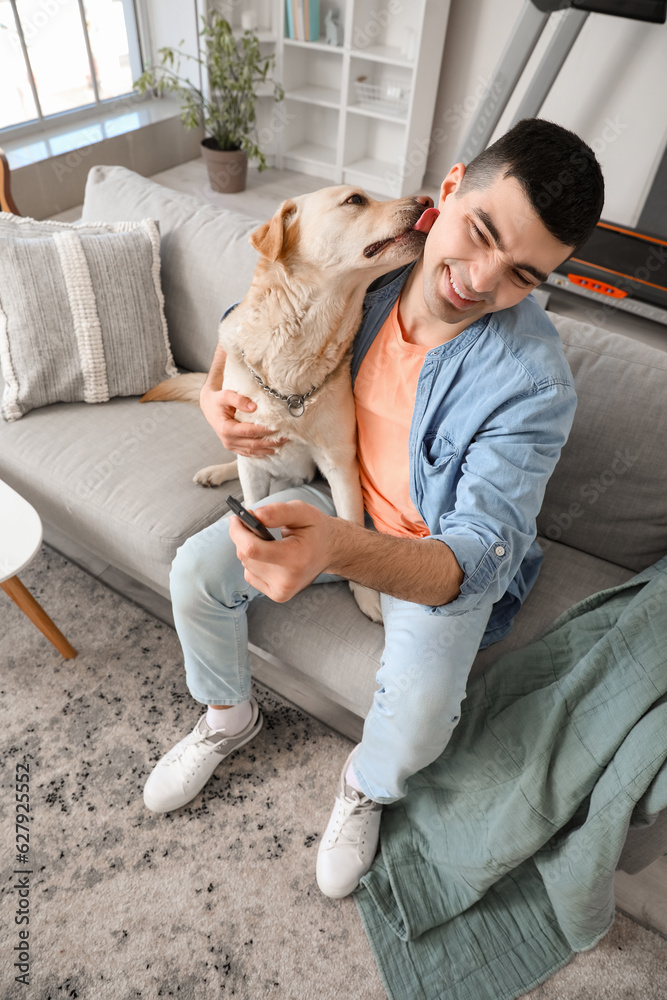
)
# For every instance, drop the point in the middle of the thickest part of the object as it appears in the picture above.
(81, 312)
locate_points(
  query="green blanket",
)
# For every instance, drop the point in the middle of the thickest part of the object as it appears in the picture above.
(499, 863)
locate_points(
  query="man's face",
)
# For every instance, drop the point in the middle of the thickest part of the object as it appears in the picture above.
(486, 250)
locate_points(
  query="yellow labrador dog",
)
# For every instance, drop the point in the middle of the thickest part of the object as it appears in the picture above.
(288, 342)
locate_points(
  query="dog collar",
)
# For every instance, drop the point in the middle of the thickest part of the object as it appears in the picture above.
(296, 404)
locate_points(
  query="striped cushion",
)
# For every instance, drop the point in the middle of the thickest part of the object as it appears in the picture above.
(81, 312)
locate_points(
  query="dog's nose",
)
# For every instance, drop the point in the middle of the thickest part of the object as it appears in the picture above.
(425, 200)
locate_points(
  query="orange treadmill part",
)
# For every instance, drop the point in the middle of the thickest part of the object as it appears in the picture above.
(595, 285)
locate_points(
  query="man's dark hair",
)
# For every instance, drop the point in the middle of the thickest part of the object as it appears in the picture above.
(556, 169)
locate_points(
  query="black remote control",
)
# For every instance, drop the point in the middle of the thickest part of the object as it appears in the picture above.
(249, 519)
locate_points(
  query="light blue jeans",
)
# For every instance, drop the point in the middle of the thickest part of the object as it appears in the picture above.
(422, 676)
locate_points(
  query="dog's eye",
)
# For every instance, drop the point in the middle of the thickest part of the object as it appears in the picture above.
(355, 199)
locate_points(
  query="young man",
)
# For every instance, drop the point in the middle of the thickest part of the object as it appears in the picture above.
(464, 402)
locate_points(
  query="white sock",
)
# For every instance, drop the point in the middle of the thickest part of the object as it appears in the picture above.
(232, 720)
(352, 780)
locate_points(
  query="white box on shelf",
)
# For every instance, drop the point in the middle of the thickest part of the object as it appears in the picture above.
(390, 97)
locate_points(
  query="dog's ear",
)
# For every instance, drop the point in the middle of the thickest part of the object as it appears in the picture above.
(269, 238)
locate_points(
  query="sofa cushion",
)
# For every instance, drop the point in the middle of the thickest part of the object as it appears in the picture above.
(81, 312)
(207, 262)
(117, 478)
(608, 494)
(322, 638)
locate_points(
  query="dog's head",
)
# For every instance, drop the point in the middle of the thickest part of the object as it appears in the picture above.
(342, 230)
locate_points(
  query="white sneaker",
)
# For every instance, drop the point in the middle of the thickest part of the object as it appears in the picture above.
(184, 770)
(350, 840)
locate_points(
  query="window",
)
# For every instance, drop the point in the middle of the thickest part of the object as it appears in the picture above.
(58, 56)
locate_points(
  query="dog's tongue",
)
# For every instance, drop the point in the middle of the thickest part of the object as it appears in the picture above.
(426, 220)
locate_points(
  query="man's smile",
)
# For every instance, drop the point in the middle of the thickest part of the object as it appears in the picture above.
(456, 291)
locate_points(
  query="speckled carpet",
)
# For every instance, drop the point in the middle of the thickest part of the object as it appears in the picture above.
(216, 900)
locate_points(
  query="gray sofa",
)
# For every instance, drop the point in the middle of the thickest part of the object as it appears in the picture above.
(113, 481)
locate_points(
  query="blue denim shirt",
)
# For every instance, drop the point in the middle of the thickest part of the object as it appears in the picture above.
(493, 409)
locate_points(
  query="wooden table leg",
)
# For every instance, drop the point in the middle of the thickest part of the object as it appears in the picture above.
(7, 203)
(36, 613)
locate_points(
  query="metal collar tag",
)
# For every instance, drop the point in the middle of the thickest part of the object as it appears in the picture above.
(295, 404)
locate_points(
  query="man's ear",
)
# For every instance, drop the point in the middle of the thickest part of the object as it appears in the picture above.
(269, 238)
(452, 182)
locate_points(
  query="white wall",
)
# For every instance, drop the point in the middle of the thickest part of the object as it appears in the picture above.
(612, 91)
(477, 31)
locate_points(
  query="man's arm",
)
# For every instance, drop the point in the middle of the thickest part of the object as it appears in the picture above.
(423, 571)
(505, 471)
(217, 370)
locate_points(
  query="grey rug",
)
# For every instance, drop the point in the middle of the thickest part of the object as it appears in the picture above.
(215, 900)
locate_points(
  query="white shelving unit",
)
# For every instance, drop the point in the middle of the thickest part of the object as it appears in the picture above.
(376, 134)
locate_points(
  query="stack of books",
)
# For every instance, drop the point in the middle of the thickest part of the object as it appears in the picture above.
(302, 21)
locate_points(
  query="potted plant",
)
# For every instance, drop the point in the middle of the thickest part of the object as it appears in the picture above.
(236, 68)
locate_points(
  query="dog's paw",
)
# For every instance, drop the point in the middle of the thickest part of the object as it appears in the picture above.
(215, 475)
(368, 601)
(210, 476)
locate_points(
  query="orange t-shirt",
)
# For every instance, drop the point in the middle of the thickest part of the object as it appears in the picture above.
(384, 393)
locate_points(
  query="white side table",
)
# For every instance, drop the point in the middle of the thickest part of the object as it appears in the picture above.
(20, 539)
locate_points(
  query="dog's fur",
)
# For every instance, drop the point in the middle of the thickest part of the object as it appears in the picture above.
(318, 254)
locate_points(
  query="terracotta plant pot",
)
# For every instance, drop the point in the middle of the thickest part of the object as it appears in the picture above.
(226, 170)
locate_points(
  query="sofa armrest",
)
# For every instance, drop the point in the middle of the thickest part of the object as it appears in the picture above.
(644, 845)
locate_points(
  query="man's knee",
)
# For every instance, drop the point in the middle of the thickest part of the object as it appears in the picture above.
(201, 562)
(435, 711)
